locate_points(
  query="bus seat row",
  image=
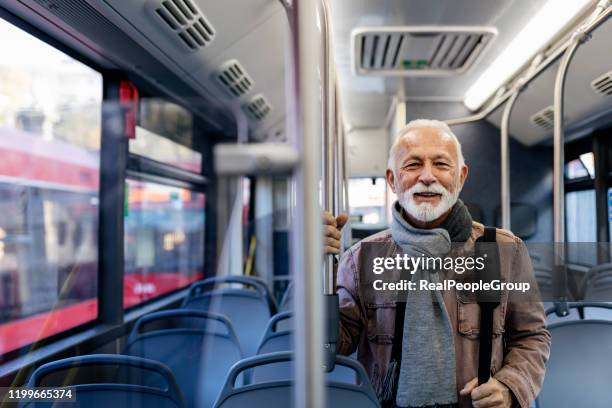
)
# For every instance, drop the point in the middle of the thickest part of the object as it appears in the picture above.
(596, 285)
(121, 381)
(195, 350)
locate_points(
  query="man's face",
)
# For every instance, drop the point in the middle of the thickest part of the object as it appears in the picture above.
(426, 177)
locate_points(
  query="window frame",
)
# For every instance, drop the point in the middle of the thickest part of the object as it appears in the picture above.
(112, 320)
(142, 168)
(599, 144)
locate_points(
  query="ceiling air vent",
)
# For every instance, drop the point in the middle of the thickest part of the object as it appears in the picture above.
(544, 118)
(258, 107)
(418, 50)
(603, 84)
(234, 79)
(184, 21)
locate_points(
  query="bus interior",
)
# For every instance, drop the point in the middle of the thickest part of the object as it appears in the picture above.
(164, 165)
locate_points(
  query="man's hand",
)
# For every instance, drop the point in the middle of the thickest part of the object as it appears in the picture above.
(492, 394)
(332, 235)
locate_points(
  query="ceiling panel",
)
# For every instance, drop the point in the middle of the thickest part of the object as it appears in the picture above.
(252, 32)
(507, 16)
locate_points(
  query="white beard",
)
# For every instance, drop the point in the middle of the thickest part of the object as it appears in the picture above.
(427, 212)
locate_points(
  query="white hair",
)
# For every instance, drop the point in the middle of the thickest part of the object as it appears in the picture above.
(443, 129)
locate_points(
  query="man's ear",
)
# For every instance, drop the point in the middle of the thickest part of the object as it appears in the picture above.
(391, 180)
(463, 175)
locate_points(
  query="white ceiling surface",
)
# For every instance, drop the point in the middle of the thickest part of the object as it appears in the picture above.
(592, 60)
(366, 100)
(253, 32)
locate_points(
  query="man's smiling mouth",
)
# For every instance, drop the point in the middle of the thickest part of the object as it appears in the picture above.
(427, 194)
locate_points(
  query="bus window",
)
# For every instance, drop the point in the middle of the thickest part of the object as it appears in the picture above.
(165, 134)
(580, 215)
(367, 200)
(583, 167)
(50, 131)
(164, 240)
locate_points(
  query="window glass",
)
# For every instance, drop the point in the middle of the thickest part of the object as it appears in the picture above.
(164, 240)
(50, 116)
(367, 200)
(582, 167)
(165, 134)
(580, 216)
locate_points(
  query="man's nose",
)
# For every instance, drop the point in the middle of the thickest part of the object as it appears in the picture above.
(427, 177)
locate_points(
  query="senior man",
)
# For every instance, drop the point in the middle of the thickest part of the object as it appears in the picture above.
(439, 342)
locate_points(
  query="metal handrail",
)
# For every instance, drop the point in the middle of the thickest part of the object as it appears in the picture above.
(505, 161)
(602, 12)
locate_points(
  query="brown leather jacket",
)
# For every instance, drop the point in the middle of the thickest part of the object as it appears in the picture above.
(521, 343)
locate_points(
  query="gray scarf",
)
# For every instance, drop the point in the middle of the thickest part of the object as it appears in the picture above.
(427, 371)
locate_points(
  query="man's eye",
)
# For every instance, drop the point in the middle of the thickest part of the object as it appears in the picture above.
(411, 165)
(442, 164)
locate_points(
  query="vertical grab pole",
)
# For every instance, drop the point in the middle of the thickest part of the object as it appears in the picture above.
(304, 124)
(330, 183)
(505, 162)
(346, 208)
(560, 272)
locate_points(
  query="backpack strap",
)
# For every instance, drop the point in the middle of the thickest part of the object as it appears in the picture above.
(400, 312)
(487, 303)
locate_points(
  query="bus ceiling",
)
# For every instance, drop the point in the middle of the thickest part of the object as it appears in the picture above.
(227, 57)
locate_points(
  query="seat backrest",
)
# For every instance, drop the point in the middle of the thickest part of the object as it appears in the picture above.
(598, 283)
(278, 324)
(117, 381)
(279, 337)
(246, 282)
(278, 392)
(580, 366)
(247, 311)
(233, 303)
(199, 347)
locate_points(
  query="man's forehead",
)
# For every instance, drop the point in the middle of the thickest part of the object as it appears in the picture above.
(424, 139)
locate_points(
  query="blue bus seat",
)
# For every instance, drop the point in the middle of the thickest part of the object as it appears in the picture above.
(276, 339)
(199, 347)
(580, 366)
(102, 380)
(249, 310)
(244, 281)
(279, 392)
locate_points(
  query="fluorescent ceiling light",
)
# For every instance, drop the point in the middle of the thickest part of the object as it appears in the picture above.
(542, 28)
